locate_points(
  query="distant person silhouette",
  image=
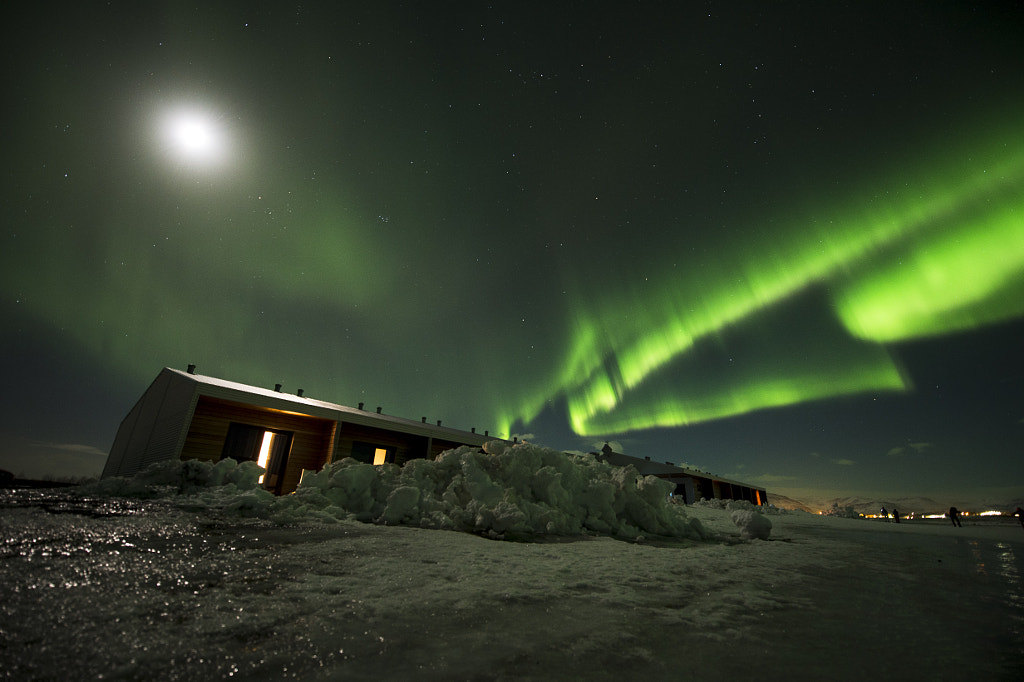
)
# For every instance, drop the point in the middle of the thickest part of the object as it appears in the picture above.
(885, 514)
(896, 515)
(954, 516)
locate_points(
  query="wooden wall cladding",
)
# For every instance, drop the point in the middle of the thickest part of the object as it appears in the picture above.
(312, 440)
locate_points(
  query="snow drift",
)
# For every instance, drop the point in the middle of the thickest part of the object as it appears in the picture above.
(502, 491)
(753, 526)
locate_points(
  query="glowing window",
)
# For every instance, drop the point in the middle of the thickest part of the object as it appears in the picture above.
(380, 456)
(265, 449)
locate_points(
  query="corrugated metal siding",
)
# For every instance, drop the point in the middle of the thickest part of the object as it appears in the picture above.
(119, 449)
(134, 432)
(170, 425)
(153, 428)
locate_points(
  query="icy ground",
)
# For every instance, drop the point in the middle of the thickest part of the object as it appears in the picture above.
(182, 588)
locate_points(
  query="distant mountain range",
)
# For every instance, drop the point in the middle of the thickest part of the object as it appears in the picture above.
(783, 502)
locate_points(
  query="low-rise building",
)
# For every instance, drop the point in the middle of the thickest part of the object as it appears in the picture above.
(184, 415)
(691, 484)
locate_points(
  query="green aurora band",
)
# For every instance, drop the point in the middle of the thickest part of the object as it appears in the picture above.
(940, 256)
(213, 275)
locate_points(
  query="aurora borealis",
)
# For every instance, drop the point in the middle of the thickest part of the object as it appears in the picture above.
(782, 242)
(948, 260)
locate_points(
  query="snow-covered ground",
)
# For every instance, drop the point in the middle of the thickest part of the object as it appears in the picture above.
(223, 583)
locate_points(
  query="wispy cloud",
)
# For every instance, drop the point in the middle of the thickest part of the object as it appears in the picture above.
(29, 458)
(74, 448)
(844, 462)
(772, 478)
(909, 449)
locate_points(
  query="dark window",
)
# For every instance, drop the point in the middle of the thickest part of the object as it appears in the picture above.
(372, 454)
(243, 442)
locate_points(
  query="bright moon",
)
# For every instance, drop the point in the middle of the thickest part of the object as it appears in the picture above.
(194, 137)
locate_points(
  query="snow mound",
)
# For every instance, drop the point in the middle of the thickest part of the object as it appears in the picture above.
(732, 505)
(501, 491)
(752, 525)
(520, 489)
(187, 477)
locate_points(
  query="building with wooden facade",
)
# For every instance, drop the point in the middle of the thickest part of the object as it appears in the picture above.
(183, 415)
(691, 484)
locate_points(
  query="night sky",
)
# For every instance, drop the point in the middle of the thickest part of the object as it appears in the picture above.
(782, 242)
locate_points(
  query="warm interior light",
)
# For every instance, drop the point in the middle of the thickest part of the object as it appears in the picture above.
(379, 455)
(268, 442)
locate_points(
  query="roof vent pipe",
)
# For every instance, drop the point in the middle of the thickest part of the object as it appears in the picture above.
(438, 422)
(473, 430)
(191, 369)
(423, 419)
(378, 409)
(487, 433)
(277, 387)
(300, 392)
(360, 406)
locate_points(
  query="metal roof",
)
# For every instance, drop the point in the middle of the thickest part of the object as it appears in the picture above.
(666, 469)
(271, 398)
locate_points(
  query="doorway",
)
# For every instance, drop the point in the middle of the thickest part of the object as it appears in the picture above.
(267, 447)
